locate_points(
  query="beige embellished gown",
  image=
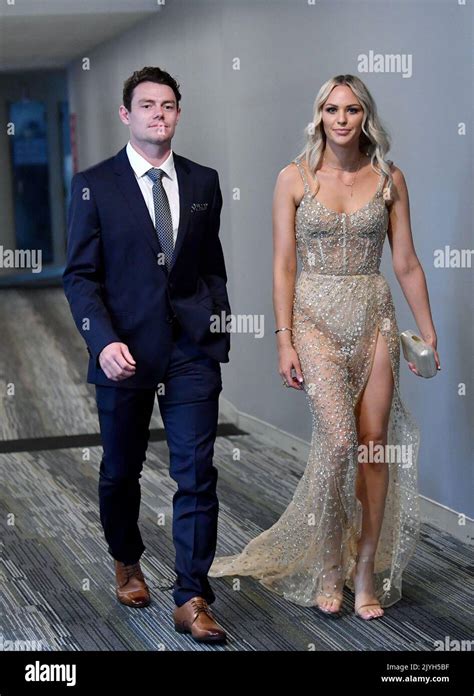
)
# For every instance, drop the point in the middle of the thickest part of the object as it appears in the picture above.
(341, 302)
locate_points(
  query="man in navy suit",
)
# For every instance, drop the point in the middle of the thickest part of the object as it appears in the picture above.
(145, 279)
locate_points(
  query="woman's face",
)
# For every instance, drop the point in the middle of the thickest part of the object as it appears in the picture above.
(342, 117)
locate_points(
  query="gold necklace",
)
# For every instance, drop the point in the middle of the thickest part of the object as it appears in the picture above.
(345, 170)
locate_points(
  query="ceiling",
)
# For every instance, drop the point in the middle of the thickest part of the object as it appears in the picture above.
(41, 34)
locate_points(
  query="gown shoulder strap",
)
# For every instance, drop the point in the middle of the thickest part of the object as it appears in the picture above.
(301, 170)
(384, 177)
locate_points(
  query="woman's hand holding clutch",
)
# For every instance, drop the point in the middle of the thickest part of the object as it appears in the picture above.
(420, 353)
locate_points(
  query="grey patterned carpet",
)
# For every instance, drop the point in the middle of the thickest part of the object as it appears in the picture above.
(56, 576)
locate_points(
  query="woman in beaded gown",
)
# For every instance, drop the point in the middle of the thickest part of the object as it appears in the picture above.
(353, 518)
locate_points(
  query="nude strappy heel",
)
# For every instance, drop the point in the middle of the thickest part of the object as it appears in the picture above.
(376, 604)
(334, 590)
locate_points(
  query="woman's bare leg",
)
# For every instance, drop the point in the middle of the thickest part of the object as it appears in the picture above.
(372, 415)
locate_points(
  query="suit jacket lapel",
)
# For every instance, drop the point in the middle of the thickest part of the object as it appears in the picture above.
(130, 189)
(185, 199)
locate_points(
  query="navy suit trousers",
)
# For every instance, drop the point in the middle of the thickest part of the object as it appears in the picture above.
(189, 409)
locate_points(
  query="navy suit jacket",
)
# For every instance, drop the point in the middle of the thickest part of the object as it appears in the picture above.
(116, 284)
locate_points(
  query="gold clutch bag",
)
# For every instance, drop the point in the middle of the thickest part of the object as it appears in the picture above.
(421, 354)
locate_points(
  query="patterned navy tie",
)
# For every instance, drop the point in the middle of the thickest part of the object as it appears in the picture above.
(163, 220)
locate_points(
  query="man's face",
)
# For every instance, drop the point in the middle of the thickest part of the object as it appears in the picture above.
(153, 115)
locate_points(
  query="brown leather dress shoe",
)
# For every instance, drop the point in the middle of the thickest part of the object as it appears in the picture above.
(195, 617)
(131, 588)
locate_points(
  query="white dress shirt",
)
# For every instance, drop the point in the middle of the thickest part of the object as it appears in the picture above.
(140, 167)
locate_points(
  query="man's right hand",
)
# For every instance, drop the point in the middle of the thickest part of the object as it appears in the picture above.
(117, 361)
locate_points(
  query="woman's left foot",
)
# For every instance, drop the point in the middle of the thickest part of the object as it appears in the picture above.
(329, 599)
(366, 605)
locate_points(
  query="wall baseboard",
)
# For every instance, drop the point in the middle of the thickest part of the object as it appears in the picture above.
(431, 512)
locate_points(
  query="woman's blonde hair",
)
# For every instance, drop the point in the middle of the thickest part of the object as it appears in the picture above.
(374, 139)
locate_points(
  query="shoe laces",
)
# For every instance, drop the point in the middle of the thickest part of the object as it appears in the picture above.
(132, 570)
(200, 606)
